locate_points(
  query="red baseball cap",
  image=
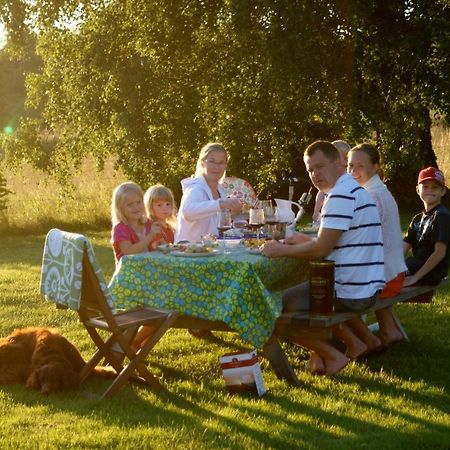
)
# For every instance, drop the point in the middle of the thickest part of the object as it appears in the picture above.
(431, 173)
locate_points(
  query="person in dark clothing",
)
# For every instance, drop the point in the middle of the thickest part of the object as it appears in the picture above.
(428, 234)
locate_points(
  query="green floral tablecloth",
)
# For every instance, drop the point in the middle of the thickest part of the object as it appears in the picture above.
(239, 289)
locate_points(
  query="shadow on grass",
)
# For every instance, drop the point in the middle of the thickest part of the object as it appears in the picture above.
(416, 371)
(311, 426)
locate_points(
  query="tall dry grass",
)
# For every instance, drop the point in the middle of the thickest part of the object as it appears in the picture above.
(39, 202)
(440, 136)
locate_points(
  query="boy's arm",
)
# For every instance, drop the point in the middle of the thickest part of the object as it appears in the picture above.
(433, 260)
(406, 247)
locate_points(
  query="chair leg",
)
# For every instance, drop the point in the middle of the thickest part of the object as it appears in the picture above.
(104, 348)
(400, 327)
(137, 359)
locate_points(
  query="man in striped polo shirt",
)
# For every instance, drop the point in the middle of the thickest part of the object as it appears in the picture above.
(350, 235)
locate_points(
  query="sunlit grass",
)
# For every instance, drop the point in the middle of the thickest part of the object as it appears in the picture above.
(400, 400)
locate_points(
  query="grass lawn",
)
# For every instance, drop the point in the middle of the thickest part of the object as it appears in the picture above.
(398, 401)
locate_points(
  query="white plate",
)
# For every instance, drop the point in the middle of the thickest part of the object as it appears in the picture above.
(254, 251)
(165, 248)
(193, 255)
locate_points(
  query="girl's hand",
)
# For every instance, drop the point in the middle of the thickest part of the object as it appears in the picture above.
(233, 204)
(154, 230)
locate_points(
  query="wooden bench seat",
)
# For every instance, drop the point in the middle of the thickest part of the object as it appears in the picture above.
(315, 326)
(300, 324)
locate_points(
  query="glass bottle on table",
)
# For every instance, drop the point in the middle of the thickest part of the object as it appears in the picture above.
(256, 220)
(223, 224)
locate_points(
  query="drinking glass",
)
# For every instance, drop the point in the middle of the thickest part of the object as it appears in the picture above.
(273, 221)
(240, 223)
(223, 224)
(256, 220)
(269, 215)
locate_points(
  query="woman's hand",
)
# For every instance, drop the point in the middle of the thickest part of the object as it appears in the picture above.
(233, 204)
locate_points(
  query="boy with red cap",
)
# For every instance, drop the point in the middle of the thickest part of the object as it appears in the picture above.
(428, 234)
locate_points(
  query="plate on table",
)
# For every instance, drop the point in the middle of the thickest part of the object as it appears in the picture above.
(194, 255)
(166, 248)
(254, 251)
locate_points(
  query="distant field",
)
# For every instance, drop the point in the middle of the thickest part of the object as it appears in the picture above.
(39, 202)
(441, 145)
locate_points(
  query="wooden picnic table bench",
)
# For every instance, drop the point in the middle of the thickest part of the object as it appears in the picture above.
(304, 324)
(320, 326)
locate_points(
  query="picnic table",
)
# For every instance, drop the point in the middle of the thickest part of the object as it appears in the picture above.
(242, 290)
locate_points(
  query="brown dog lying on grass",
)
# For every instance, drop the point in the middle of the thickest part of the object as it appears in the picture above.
(43, 359)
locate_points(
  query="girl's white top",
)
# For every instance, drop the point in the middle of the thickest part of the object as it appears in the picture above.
(394, 261)
(197, 215)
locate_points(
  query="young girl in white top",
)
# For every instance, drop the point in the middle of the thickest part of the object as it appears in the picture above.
(204, 196)
(364, 165)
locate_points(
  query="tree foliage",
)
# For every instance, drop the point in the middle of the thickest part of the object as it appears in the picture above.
(152, 81)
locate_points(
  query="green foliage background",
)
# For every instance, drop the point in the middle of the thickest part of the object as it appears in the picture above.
(152, 82)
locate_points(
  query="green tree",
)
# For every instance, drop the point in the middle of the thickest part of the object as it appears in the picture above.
(402, 50)
(152, 81)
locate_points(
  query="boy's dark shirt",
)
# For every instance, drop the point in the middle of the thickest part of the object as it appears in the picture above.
(424, 231)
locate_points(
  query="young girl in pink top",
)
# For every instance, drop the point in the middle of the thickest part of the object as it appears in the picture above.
(132, 231)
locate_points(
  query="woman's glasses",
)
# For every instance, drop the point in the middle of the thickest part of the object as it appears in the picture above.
(216, 163)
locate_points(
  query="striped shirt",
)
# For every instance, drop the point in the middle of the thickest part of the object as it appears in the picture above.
(358, 254)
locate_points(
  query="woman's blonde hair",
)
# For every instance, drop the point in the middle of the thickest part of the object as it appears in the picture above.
(204, 152)
(160, 192)
(118, 196)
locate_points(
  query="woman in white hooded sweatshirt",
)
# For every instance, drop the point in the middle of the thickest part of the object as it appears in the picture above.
(203, 196)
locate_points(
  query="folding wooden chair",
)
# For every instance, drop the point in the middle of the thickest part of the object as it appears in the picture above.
(72, 278)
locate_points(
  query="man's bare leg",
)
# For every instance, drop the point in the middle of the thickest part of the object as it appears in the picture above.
(332, 358)
(316, 364)
(363, 333)
(389, 332)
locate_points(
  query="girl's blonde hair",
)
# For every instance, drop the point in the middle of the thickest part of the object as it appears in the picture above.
(160, 192)
(204, 152)
(118, 196)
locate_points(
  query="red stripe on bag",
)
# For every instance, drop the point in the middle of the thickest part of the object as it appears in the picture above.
(239, 363)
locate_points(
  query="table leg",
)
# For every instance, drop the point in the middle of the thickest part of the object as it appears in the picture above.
(279, 362)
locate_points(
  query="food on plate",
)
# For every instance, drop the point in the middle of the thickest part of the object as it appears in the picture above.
(197, 248)
(166, 248)
(252, 243)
